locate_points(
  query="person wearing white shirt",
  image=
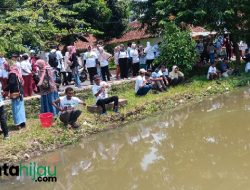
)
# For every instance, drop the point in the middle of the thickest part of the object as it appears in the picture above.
(3, 122)
(3, 70)
(212, 72)
(90, 59)
(150, 56)
(67, 106)
(26, 71)
(135, 59)
(123, 62)
(103, 58)
(100, 92)
(142, 87)
(116, 60)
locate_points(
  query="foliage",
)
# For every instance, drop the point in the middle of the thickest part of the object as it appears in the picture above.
(177, 48)
(34, 23)
(46, 22)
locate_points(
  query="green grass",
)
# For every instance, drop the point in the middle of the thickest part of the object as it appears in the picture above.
(35, 140)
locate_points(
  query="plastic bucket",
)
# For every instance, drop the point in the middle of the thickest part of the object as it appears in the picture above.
(46, 119)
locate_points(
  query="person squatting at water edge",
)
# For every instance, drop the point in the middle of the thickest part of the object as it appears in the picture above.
(67, 106)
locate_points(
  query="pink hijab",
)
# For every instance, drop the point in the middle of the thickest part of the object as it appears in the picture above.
(15, 70)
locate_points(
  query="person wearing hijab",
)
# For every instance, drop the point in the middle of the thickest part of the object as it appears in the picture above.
(150, 56)
(47, 87)
(103, 58)
(15, 90)
(176, 76)
(74, 65)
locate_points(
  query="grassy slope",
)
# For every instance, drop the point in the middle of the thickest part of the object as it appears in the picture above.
(35, 140)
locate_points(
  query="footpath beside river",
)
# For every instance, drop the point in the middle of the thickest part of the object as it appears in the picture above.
(34, 140)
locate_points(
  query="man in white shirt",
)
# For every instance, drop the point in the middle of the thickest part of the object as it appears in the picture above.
(212, 72)
(100, 93)
(67, 105)
(142, 86)
(2, 116)
(90, 59)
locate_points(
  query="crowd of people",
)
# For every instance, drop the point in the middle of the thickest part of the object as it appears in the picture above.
(26, 74)
(217, 54)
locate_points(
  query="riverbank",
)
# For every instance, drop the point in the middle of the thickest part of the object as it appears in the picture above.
(34, 140)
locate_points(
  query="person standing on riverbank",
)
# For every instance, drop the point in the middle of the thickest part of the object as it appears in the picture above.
(74, 65)
(15, 90)
(26, 69)
(3, 122)
(90, 60)
(100, 93)
(47, 87)
(67, 106)
(4, 67)
(150, 56)
(103, 59)
(116, 60)
(135, 59)
(123, 62)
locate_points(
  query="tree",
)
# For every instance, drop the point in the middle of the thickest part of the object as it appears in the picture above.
(177, 46)
(118, 22)
(109, 18)
(220, 15)
(35, 23)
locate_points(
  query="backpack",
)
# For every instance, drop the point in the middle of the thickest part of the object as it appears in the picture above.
(53, 62)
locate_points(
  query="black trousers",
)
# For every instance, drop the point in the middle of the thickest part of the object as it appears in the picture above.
(123, 63)
(103, 102)
(149, 63)
(3, 122)
(70, 117)
(105, 72)
(136, 68)
(176, 81)
(92, 72)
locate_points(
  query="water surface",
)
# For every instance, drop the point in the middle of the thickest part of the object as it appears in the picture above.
(205, 146)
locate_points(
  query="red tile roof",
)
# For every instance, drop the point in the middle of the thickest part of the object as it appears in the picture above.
(136, 32)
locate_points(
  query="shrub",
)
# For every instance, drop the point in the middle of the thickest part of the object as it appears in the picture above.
(177, 48)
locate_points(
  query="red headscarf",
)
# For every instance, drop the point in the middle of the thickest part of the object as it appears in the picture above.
(15, 70)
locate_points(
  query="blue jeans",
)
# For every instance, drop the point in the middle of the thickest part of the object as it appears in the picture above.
(212, 58)
(144, 90)
(76, 75)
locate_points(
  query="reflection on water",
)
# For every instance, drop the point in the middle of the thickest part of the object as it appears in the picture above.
(200, 147)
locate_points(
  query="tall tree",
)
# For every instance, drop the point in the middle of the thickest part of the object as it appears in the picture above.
(34, 23)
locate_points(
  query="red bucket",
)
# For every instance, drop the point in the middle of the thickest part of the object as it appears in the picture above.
(46, 119)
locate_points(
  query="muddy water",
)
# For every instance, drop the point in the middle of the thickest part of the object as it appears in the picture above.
(199, 147)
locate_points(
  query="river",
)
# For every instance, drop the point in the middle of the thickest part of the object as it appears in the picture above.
(202, 146)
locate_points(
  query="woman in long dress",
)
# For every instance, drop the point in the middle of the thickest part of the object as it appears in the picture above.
(47, 87)
(15, 86)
